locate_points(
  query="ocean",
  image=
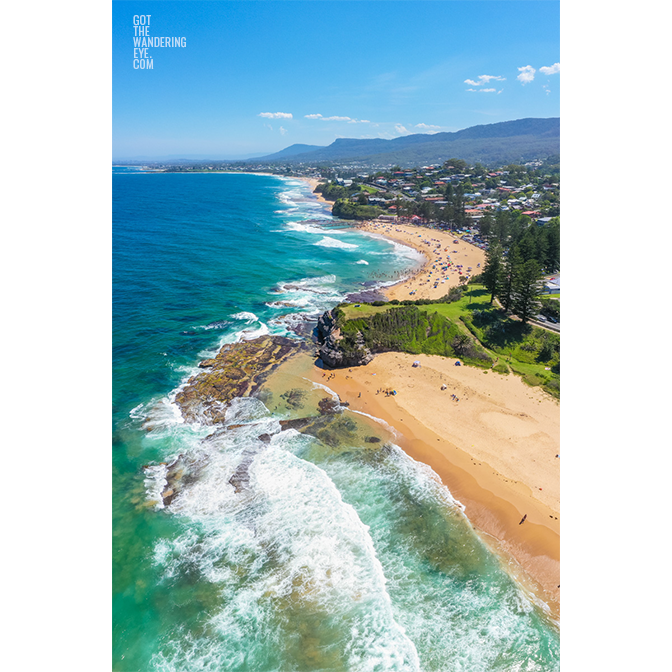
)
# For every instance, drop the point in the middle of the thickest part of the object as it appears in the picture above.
(341, 553)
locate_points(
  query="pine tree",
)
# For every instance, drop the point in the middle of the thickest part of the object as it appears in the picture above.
(526, 288)
(492, 270)
(509, 271)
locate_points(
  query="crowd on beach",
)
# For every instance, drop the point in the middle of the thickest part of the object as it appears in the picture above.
(444, 252)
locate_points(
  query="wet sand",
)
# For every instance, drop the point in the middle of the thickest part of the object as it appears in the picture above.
(439, 248)
(495, 449)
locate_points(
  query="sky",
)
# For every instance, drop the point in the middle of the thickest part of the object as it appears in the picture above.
(257, 76)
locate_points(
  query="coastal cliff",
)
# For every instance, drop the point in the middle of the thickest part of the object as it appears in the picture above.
(334, 350)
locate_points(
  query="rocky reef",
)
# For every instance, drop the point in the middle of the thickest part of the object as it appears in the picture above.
(238, 370)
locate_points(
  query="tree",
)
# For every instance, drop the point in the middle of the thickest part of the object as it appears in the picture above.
(461, 344)
(551, 234)
(492, 271)
(507, 279)
(526, 289)
(501, 228)
(486, 224)
(426, 210)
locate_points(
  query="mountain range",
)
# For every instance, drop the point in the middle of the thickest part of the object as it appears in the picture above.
(516, 141)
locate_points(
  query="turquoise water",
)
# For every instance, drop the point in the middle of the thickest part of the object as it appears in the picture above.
(339, 554)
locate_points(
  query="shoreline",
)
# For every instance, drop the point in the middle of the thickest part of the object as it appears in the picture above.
(313, 182)
(438, 248)
(499, 479)
(494, 489)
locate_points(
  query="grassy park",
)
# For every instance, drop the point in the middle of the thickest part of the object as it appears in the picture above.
(469, 328)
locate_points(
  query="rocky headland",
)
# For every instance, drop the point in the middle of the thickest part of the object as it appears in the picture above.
(332, 348)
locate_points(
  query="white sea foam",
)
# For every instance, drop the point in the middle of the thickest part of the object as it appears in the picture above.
(250, 317)
(328, 390)
(251, 334)
(332, 242)
(387, 426)
(155, 483)
(425, 480)
(290, 303)
(362, 261)
(303, 227)
(314, 295)
(137, 413)
(286, 537)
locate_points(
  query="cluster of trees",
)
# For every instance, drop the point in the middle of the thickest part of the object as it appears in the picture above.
(407, 328)
(332, 191)
(345, 209)
(519, 253)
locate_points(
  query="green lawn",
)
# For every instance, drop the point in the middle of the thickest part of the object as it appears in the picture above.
(530, 352)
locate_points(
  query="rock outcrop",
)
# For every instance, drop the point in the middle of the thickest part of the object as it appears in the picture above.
(331, 346)
(238, 370)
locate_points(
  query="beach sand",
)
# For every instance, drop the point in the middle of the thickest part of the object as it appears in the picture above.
(436, 246)
(496, 448)
(313, 182)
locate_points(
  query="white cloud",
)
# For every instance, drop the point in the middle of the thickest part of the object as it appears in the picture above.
(400, 129)
(484, 79)
(276, 115)
(550, 69)
(350, 120)
(526, 74)
(283, 130)
(426, 126)
(485, 90)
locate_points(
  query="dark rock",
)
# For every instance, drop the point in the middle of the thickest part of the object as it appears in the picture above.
(366, 296)
(329, 406)
(330, 348)
(372, 439)
(296, 423)
(240, 478)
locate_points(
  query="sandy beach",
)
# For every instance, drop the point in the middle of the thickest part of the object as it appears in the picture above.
(495, 448)
(313, 182)
(440, 248)
(493, 441)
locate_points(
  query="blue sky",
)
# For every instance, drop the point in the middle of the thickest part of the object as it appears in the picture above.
(259, 75)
